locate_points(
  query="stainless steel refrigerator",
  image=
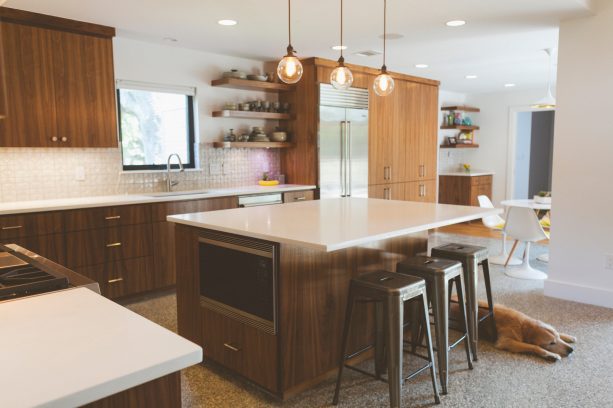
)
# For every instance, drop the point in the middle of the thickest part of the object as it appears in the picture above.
(343, 142)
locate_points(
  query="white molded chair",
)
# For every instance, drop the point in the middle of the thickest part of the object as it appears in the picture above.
(523, 225)
(496, 222)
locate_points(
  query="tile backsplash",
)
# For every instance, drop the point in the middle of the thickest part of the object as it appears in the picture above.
(47, 173)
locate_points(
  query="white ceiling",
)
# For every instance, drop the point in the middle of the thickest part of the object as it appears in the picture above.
(501, 43)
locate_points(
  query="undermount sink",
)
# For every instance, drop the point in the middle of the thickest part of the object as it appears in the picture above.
(176, 193)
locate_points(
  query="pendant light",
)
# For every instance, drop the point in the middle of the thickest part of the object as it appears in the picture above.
(384, 83)
(289, 69)
(341, 77)
(548, 102)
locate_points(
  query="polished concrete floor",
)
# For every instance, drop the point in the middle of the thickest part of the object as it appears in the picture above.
(499, 379)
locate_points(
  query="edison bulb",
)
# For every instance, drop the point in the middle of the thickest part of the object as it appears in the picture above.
(341, 78)
(384, 84)
(289, 69)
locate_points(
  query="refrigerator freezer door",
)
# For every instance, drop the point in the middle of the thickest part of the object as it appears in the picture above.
(331, 151)
(357, 140)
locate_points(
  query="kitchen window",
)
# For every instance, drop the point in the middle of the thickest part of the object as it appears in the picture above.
(154, 122)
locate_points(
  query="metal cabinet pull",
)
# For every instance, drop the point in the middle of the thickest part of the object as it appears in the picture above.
(114, 244)
(386, 193)
(422, 190)
(300, 198)
(54, 139)
(422, 170)
(12, 227)
(113, 217)
(115, 280)
(231, 347)
(64, 139)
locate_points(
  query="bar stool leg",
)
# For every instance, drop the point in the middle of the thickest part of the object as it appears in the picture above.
(394, 312)
(460, 291)
(347, 324)
(440, 308)
(380, 364)
(471, 276)
(426, 324)
(490, 302)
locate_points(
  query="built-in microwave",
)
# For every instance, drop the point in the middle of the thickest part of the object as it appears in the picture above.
(238, 278)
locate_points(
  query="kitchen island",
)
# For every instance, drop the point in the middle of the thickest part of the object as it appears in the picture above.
(280, 326)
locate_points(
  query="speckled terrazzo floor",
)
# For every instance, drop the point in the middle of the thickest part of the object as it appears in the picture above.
(499, 379)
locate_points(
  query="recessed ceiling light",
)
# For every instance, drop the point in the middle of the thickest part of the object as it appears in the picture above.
(367, 53)
(471, 76)
(339, 47)
(421, 65)
(227, 22)
(509, 85)
(170, 39)
(455, 23)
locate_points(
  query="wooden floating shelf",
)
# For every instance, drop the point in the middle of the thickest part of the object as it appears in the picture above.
(460, 108)
(251, 115)
(461, 146)
(253, 145)
(460, 127)
(251, 85)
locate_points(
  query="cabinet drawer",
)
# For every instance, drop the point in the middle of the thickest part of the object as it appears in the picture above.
(122, 277)
(295, 196)
(97, 246)
(478, 180)
(78, 220)
(242, 348)
(387, 191)
(161, 210)
(49, 246)
(25, 225)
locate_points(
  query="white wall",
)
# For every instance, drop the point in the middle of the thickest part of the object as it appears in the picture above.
(449, 159)
(493, 136)
(582, 216)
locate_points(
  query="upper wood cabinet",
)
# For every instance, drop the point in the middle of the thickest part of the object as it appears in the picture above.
(421, 148)
(59, 81)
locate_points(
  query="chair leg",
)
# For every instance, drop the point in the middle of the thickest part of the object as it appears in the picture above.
(470, 271)
(380, 365)
(426, 319)
(394, 311)
(460, 292)
(511, 253)
(441, 326)
(341, 365)
(490, 302)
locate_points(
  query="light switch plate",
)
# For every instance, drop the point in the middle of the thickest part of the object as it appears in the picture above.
(79, 173)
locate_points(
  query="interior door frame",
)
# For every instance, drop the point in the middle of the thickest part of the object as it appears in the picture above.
(512, 138)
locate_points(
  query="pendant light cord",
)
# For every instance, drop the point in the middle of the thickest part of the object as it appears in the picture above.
(289, 20)
(341, 28)
(384, 29)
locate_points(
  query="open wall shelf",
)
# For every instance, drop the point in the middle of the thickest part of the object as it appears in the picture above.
(251, 115)
(253, 145)
(247, 84)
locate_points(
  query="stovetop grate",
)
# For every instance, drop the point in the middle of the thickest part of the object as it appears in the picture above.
(23, 280)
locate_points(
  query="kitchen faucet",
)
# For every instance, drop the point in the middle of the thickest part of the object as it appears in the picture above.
(169, 183)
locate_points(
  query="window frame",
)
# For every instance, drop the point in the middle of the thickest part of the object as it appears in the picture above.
(191, 132)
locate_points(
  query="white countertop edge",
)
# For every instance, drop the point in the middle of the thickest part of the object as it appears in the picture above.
(465, 174)
(345, 244)
(126, 382)
(22, 207)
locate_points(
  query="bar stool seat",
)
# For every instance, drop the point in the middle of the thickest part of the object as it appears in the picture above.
(389, 291)
(439, 274)
(471, 257)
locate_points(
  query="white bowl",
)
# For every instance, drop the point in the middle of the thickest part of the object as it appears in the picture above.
(278, 136)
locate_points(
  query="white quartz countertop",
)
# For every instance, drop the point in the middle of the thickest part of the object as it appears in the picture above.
(72, 347)
(472, 173)
(336, 223)
(19, 207)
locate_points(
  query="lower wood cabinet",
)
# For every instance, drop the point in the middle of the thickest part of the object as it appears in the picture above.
(464, 190)
(240, 347)
(424, 191)
(50, 246)
(296, 196)
(124, 277)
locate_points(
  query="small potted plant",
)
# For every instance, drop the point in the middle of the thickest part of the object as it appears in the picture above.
(543, 197)
(266, 181)
(466, 167)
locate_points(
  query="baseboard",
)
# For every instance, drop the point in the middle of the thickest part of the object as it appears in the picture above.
(579, 293)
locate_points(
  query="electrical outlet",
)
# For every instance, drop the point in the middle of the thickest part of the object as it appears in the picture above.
(215, 169)
(608, 261)
(79, 173)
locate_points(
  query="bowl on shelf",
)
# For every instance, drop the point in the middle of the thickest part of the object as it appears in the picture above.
(262, 78)
(278, 136)
(268, 182)
(261, 138)
(234, 74)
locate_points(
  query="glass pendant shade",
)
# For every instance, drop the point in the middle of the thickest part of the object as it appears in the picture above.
(289, 69)
(384, 84)
(341, 77)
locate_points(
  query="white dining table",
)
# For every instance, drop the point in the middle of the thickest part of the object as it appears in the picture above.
(530, 203)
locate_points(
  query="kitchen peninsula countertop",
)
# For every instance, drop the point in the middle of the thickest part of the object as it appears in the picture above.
(333, 224)
(472, 173)
(71, 347)
(19, 207)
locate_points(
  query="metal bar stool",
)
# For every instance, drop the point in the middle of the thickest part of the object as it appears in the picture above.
(439, 274)
(389, 290)
(471, 257)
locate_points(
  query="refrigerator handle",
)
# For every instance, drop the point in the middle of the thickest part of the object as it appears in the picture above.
(349, 157)
(343, 159)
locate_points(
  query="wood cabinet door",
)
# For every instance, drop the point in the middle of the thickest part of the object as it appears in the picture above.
(423, 191)
(394, 191)
(84, 90)
(29, 76)
(422, 131)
